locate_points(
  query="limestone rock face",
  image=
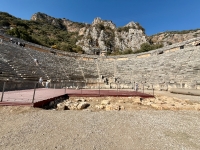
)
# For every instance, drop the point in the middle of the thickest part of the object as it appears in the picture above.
(130, 40)
(104, 22)
(168, 38)
(101, 35)
(105, 36)
(46, 18)
(63, 23)
(132, 25)
(82, 31)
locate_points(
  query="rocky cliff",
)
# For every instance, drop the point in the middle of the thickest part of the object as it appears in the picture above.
(100, 35)
(171, 37)
(103, 35)
(63, 23)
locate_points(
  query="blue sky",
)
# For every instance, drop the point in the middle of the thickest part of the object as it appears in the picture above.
(154, 15)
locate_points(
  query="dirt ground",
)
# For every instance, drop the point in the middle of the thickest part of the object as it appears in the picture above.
(164, 122)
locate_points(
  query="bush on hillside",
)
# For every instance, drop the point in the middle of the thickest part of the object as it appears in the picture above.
(123, 29)
(145, 47)
(140, 27)
(4, 23)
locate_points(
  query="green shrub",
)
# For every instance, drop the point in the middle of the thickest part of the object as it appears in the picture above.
(123, 29)
(140, 27)
(4, 23)
(127, 51)
(145, 47)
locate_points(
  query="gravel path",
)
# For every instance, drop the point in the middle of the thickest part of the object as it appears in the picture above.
(25, 128)
(180, 96)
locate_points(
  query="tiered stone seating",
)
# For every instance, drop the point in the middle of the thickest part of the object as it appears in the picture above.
(17, 58)
(50, 66)
(7, 72)
(89, 68)
(70, 66)
(160, 68)
(173, 68)
(106, 67)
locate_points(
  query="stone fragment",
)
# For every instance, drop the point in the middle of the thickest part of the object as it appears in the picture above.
(80, 100)
(156, 106)
(76, 104)
(60, 106)
(122, 108)
(105, 102)
(112, 107)
(197, 107)
(100, 106)
(148, 103)
(121, 101)
(82, 105)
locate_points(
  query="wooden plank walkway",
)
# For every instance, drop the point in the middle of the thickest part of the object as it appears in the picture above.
(45, 95)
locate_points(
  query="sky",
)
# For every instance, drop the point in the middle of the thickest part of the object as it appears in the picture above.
(154, 15)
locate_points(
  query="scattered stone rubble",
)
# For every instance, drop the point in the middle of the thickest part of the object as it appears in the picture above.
(128, 103)
(170, 103)
(78, 104)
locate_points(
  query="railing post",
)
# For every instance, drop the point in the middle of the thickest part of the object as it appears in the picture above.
(81, 86)
(34, 92)
(65, 87)
(117, 88)
(99, 88)
(4, 85)
(153, 89)
(143, 87)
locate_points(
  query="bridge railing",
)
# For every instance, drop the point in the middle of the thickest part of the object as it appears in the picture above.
(69, 86)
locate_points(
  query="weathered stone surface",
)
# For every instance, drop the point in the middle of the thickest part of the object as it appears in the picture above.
(121, 101)
(61, 23)
(156, 106)
(60, 106)
(80, 100)
(197, 107)
(107, 38)
(106, 23)
(82, 105)
(168, 38)
(100, 106)
(112, 107)
(122, 108)
(105, 102)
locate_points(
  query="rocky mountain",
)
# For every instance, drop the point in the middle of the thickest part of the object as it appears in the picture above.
(171, 37)
(63, 23)
(99, 36)
(103, 35)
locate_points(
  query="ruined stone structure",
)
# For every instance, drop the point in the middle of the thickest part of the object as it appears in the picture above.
(175, 66)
